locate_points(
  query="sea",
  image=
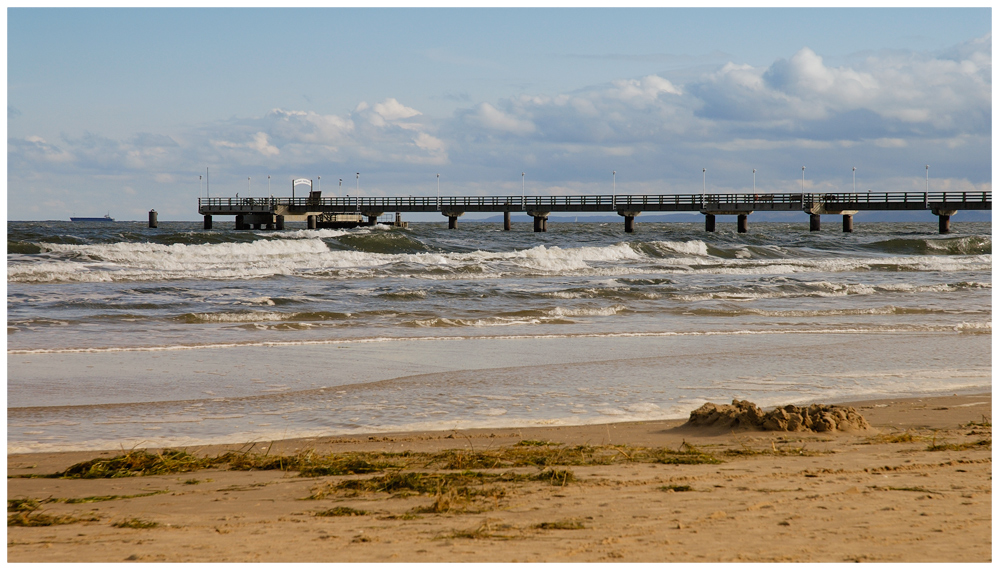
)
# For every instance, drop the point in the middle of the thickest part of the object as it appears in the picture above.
(121, 336)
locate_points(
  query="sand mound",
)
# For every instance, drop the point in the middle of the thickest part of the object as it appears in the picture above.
(745, 415)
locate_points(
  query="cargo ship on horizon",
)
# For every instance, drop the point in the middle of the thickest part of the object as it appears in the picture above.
(105, 218)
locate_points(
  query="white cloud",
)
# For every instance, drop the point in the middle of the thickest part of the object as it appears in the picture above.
(490, 117)
(309, 127)
(641, 91)
(917, 93)
(393, 110)
(261, 145)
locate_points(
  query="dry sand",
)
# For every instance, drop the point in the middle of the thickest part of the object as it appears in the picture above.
(861, 496)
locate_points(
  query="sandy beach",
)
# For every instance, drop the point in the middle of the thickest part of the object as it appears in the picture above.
(914, 487)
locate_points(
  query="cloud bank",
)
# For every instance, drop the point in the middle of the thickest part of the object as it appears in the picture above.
(891, 111)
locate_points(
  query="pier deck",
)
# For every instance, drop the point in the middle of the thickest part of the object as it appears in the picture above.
(345, 211)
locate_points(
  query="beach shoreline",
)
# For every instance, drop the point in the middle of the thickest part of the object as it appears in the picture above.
(915, 487)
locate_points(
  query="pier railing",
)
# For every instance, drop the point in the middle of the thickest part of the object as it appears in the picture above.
(619, 202)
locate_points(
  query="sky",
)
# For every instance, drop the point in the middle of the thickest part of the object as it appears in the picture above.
(121, 110)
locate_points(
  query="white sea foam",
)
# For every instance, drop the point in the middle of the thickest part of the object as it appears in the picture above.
(126, 261)
(586, 311)
(307, 254)
(305, 234)
(693, 247)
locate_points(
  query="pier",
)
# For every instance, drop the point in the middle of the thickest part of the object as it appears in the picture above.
(319, 212)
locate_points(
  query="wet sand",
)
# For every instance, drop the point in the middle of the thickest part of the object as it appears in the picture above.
(915, 487)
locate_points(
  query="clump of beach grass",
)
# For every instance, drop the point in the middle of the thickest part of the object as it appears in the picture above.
(566, 524)
(544, 454)
(309, 463)
(135, 523)
(340, 512)
(138, 463)
(486, 530)
(980, 444)
(774, 450)
(27, 512)
(450, 491)
(904, 437)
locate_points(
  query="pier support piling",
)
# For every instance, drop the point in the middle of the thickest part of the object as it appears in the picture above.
(847, 223)
(943, 216)
(743, 224)
(452, 218)
(372, 220)
(944, 223)
(208, 222)
(629, 224)
(506, 221)
(709, 222)
(152, 219)
(540, 220)
(814, 223)
(310, 222)
(239, 222)
(279, 222)
(540, 224)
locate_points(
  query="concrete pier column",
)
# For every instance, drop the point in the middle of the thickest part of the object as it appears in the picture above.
(208, 222)
(372, 220)
(310, 222)
(629, 224)
(257, 226)
(152, 219)
(814, 223)
(279, 222)
(539, 224)
(709, 222)
(743, 224)
(452, 222)
(506, 221)
(944, 223)
(239, 222)
(943, 217)
(270, 225)
(847, 223)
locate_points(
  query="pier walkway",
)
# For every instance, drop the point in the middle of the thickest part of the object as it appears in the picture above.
(352, 211)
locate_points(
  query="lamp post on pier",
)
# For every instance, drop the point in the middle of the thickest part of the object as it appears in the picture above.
(802, 186)
(614, 175)
(704, 183)
(438, 191)
(523, 188)
(754, 182)
(854, 179)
